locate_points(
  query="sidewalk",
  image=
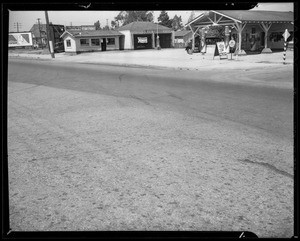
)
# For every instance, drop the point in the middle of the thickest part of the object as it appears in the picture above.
(168, 58)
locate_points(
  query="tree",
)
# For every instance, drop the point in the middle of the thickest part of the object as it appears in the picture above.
(176, 23)
(106, 27)
(114, 24)
(163, 19)
(192, 16)
(126, 17)
(97, 25)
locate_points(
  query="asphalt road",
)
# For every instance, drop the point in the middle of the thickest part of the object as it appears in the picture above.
(149, 149)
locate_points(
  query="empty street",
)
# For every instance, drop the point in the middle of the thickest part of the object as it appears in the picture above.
(99, 147)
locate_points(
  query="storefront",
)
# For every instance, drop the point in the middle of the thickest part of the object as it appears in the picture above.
(143, 35)
(87, 41)
(254, 31)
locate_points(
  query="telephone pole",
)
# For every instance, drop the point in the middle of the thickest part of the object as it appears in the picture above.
(17, 25)
(49, 35)
(41, 41)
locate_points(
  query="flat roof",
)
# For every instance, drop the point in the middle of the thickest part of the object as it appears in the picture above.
(92, 33)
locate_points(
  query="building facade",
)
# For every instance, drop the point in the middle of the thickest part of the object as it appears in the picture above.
(181, 38)
(91, 40)
(39, 34)
(145, 35)
(254, 31)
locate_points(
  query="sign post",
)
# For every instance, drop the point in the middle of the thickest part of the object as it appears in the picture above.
(231, 45)
(286, 34)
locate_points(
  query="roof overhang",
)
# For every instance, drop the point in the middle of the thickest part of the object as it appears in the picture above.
(66, 32)
(212, 17)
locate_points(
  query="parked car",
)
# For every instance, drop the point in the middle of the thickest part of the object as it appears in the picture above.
(189, 49)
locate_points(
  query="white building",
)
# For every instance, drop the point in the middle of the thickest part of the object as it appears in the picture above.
(92, 40)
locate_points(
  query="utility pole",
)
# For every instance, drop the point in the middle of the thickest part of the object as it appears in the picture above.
(17, 25)
(49, 35)
(41, 41)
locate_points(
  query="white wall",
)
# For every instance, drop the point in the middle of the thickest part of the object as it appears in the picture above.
(72, 48)
(128, 41)
(115, 46)
(90, 47)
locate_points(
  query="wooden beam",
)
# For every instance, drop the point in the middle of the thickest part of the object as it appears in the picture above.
(219, 19)
(243, 26)
(191, 28)
(210, 20)
(266, 27)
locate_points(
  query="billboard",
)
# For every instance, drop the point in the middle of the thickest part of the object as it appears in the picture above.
(19, 39)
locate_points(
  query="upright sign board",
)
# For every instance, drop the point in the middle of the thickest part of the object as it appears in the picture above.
(221, 50)
(286, 34)
(20, 39)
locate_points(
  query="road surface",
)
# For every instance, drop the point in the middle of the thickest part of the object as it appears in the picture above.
(94, 147)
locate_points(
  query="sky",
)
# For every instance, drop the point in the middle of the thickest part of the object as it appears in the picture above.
(26, 19)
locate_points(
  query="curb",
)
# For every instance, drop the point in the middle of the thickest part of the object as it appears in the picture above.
(261, 64)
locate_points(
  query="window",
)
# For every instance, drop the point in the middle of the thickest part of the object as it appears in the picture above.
(68, 43)
(110, 41)
(84, 42)
(95, 42)
(276, 37)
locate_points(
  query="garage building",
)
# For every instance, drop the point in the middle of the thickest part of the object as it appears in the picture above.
(143, 35)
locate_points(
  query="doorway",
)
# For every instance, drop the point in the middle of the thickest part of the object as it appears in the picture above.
(103, 44)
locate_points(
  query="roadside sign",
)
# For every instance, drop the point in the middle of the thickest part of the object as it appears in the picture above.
(221, 50)
(20, 39)
(231, 43)
(286, 34)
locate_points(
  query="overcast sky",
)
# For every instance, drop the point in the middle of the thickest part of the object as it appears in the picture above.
(27, 18)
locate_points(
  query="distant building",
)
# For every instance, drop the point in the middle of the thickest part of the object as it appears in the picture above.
(182, 37)
(143, 35)
(92, 40)
(81, 28)
(39, 33)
